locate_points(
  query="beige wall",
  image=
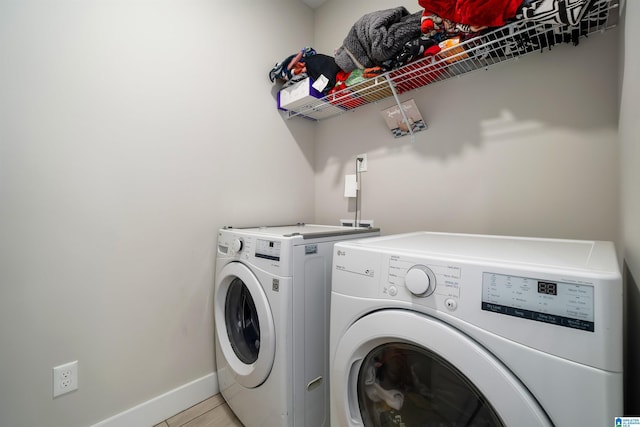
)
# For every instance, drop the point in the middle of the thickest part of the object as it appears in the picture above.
(130, 131)
(528, 148)
(630, 177)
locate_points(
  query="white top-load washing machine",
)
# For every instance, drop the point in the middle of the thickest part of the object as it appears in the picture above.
(437, 329)
(271, 307)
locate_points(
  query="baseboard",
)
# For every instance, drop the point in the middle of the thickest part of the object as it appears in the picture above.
(164, 406)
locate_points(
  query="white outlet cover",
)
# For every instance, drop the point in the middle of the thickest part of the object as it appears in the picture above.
(65, 378)
(362, 165)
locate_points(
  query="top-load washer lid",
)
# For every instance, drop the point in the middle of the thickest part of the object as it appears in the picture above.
(561, 253)
(306, 231)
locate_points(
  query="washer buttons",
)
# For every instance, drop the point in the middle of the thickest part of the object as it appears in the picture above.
(451, 304)
(393, 291)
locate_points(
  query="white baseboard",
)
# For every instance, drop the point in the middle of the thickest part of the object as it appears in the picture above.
(164, 406)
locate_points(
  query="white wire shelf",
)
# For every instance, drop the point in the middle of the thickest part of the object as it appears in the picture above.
(505, 43)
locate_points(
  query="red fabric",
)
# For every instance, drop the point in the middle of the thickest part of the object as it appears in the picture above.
(342, 97)
(419, 73)
(490, 13)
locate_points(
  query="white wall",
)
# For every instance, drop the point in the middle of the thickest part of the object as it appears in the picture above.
(130, 131)
(630, 177)
(528, 147)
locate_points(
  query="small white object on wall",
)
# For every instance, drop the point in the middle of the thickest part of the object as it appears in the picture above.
(350, 186)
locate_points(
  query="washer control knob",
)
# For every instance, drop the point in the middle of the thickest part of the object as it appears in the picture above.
(420, 281)
(237, 245)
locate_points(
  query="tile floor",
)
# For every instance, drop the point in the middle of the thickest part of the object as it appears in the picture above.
(213, 412)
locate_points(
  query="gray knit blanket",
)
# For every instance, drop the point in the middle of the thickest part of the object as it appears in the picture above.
(377, 37)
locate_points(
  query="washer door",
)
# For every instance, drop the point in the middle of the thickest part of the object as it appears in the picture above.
(244, 325)
(396, 367)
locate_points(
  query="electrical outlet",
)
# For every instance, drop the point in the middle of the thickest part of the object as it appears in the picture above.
(367, 223)
(362, 165)
(65, 378)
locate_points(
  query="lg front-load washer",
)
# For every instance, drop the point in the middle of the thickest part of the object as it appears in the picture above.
(271, 307)
(437, 329)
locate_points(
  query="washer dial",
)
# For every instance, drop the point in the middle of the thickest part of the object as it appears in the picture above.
(420, 280)
(237, 245)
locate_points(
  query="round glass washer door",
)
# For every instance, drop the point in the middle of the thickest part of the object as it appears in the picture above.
(244, 324)
(396, 367)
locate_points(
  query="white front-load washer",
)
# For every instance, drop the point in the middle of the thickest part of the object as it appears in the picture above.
(271, 307)
(439, 329)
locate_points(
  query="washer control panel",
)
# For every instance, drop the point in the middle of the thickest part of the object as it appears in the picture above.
(245, 247)
(564, 304)
(235, 245)
(426, 282)
(268, 249)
